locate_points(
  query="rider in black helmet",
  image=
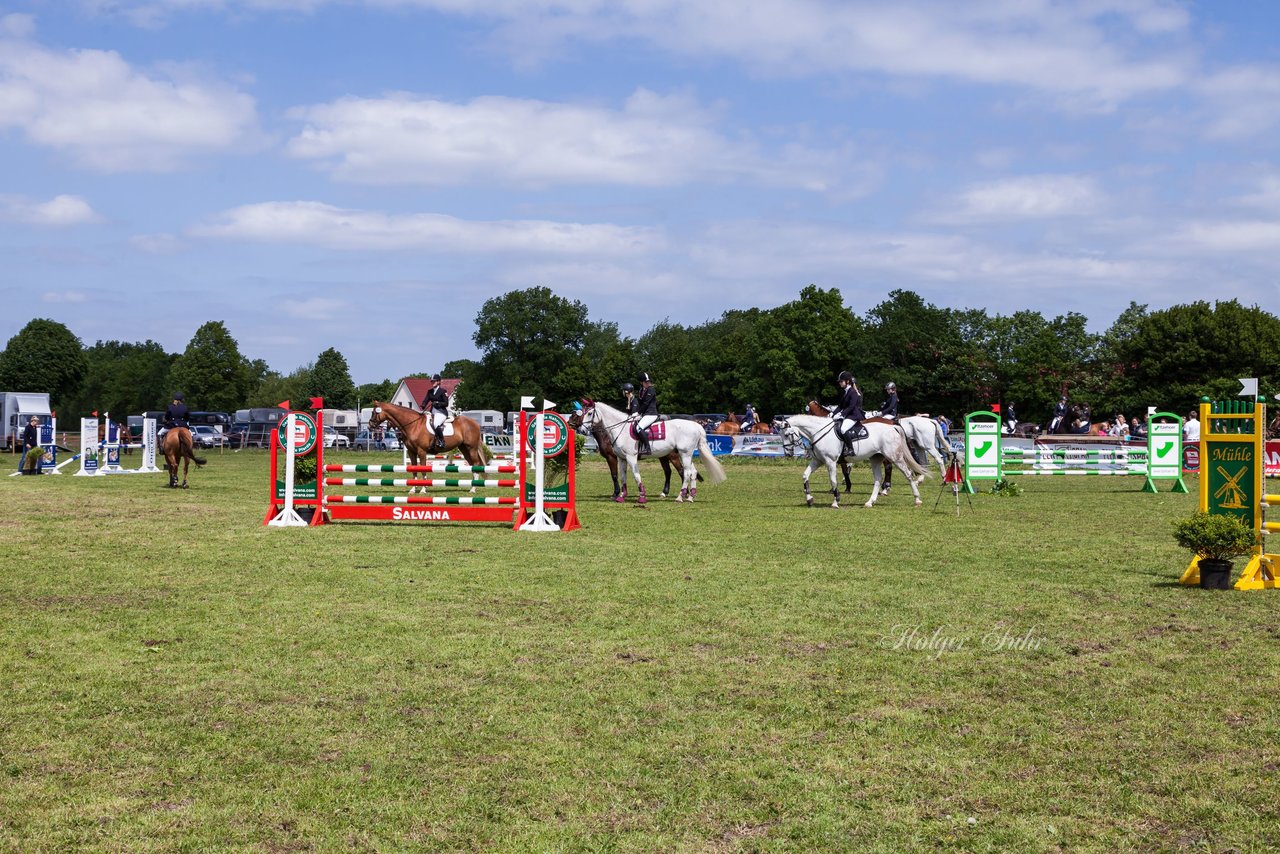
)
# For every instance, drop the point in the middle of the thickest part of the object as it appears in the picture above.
(175, 415)
(646, 410)
(437, 404)
(629, 397)
(889, 409)
(848, 411)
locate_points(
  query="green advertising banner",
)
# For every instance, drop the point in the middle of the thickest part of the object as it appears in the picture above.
(1232, 471)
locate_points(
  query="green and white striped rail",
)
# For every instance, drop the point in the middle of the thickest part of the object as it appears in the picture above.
(441, 481)
(987, 459)
(418, 499)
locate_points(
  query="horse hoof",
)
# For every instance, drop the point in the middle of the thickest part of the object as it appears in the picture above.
(869, 504)
(808, 500)
(919, 502)
(662, 495)
(621, 499)
(642, 500)
(835, 505)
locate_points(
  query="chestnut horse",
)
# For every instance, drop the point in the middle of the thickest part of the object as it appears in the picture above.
(178, 447)
(605, 446)
(124, 436)
(418, 439)
(732, 426)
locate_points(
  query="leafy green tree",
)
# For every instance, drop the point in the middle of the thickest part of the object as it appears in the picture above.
(123, 378)
(1170, 358)
(43, 357)
(331, 380)
(211, 372)
(531, 342)
(276, 388)
(375, 391)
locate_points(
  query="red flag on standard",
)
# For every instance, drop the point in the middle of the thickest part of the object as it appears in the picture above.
(317, 403)
(284, 404)
(995, 407)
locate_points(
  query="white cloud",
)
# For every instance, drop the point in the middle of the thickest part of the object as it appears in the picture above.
(108, 116)
(1241, 101)
(316, 224)
(64, 297)
(58, 211)
(316, 308)
(1022, 198)
(1229, 236)
(654, 140)
(1079, 51)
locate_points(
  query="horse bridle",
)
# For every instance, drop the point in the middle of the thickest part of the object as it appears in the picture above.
(608, 429)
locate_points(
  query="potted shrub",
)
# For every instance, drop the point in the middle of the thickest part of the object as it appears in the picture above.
(1216, 540)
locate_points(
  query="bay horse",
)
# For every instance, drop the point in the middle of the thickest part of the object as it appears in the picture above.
(885, 443)
(732, 426)
(178, 447)
(679, 435)
(123, 435)
(418, 440)
(605, 447)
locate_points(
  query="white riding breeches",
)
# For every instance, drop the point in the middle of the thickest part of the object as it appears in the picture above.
(845, 425)
(437, 420)
(646, 421)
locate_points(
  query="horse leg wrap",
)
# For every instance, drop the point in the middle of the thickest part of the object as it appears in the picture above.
(693, 492)
(642, 499)
(621, 497)
(684, 493)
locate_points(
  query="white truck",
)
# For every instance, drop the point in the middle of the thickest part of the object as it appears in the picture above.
(19, 406)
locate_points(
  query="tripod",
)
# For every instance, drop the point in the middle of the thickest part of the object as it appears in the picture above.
(953, 479)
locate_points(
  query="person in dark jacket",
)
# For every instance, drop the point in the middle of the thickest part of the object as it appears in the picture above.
(646, 410)
(889, 409)
(848, 412)
(31, 439)
(749, 418)
(1059, 414)
(437, 404)
(175, 415)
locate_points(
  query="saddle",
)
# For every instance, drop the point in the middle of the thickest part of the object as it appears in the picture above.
(658, 430)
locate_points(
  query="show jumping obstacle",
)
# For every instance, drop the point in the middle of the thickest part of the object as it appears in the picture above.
(986, 458)
(100, 457)
(521, 510)
(1233, 442)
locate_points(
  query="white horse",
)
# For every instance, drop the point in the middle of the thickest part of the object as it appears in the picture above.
(926, 434)
(681, 435)
(884, 443)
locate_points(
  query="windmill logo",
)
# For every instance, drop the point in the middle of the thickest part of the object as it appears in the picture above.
(1230, 495)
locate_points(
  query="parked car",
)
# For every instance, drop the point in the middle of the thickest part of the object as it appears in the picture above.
(365, 441)
(334, 439)
(205, 436)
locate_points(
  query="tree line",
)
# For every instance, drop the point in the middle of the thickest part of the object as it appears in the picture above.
(532, 341)
(124, 377)
(943, 360)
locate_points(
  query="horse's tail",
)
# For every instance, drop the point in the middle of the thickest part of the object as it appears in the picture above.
(907, 457)
(485, 454)
(189, 450)
(715, 471)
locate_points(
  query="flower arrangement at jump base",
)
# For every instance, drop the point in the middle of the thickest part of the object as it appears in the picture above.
(1005, 488)
(1216, 539)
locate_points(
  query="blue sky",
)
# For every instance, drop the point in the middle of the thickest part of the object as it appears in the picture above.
(363, 174)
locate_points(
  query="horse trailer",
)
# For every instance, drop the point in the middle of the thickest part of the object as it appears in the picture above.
(18, 409)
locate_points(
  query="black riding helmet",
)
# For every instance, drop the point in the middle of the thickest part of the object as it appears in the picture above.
(890, 387)
(177, 395)
(645, 378)
(847, 377)
(435, 378)
(628, 387)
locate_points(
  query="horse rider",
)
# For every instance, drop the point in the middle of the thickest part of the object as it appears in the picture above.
(175, 415)
(848, 412)
(629, 398)
(1059, 413)
(1010, 419)
(30, 439)
(889, 409)
(437, 404)
(646, 410)
(748, 418)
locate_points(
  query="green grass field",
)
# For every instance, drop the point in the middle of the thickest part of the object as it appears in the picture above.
(728, 676)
